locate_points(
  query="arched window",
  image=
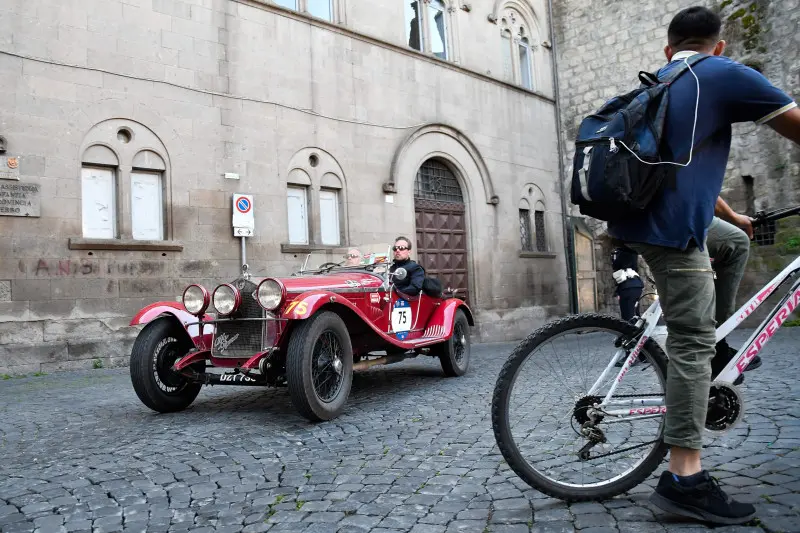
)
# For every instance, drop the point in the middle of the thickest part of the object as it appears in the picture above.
(435, 181)
(505, 50)
(525, 226)
(426, 23)
(525, 67)
(315, 199)
(539, 228)
(518, 53)
(125, 175)
(533, 224)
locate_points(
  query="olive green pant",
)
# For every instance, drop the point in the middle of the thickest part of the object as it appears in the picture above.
(692, 308)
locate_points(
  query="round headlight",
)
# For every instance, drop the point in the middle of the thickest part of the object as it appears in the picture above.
(270, 294)
(195, 299)
(226, 299)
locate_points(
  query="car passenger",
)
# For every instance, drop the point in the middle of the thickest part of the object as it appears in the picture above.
(353, 257)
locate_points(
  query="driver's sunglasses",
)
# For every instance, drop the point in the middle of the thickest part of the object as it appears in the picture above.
(401, 248)
(351, 256)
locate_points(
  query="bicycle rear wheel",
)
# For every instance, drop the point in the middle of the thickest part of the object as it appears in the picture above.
(540, 405)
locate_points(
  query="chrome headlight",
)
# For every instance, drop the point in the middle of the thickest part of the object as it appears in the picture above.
(226, 299)
(195, 299)
(270, 294)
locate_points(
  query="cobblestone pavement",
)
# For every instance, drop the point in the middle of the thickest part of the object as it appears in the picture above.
(414, 452)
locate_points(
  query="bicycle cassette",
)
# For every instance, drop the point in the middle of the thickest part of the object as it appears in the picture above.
(725, 407)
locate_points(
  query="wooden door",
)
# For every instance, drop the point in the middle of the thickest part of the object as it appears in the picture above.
(440, 215)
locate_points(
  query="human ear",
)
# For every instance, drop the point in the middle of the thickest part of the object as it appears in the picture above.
(668, 52)
(720, 48)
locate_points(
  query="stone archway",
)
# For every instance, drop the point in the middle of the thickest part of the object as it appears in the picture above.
(440, 216)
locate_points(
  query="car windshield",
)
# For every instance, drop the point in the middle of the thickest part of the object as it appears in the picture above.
(352, 258)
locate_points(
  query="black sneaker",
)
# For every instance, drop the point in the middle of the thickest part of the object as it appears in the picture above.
(704, 501)
(724, 354)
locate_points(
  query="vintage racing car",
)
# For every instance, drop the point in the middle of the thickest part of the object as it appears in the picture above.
(308, 331)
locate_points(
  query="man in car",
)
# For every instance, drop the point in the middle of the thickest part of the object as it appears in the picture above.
(411, 285)
(672, 237)
(353, 257)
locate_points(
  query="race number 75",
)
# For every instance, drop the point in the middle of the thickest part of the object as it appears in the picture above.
(299, 307)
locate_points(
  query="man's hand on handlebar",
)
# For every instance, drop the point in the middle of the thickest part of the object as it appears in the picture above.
(745, 223)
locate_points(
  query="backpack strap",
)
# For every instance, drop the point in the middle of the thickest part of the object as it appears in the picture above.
(648, 79)
(675, 73)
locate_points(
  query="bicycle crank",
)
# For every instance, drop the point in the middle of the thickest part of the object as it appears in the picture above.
(725, 407)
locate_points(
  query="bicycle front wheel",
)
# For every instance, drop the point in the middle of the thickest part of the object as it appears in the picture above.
(542, 404)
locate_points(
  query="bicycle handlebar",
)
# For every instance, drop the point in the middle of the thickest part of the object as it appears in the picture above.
(763, 217)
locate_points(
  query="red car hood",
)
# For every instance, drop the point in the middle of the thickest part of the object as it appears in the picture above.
(337, 281)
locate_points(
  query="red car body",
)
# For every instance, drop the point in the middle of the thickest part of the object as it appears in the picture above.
(254, 342)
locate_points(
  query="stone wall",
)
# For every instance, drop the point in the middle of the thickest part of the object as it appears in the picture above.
(601, 47)
(216, 86)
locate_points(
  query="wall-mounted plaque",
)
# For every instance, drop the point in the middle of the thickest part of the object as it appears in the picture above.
(20, 199)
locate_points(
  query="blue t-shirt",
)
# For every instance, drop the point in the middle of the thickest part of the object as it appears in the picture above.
(729, 92)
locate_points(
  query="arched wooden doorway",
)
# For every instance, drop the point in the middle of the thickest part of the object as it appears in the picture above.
(441, 226)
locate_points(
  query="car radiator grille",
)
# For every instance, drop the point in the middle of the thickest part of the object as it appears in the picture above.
(242, 338)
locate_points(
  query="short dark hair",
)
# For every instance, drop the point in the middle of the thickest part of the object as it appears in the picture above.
(401, 238)
(694, 27)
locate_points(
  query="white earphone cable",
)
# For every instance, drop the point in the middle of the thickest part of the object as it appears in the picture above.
(694, 129)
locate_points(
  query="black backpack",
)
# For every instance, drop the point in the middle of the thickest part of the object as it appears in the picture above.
(608, 181)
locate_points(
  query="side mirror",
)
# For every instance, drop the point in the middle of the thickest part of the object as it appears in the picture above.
(400, 273)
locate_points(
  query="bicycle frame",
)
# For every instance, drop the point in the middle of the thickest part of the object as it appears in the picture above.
(639, 408)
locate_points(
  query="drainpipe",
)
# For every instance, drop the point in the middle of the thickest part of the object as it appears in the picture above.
(573, 298)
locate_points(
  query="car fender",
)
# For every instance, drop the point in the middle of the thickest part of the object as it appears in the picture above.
(185, 318)
(444, 316)
(308, 303)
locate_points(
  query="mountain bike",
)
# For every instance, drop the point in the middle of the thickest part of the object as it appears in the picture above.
(608, 420)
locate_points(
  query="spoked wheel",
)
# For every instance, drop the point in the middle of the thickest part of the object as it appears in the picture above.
(319, 366)
(159, 345)
(544, 418)
(327, 366)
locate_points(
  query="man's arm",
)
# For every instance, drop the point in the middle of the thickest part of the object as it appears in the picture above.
(724, 211)
(787, 124)
(417, 278)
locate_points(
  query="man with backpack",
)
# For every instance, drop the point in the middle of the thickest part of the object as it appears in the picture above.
(654, 172)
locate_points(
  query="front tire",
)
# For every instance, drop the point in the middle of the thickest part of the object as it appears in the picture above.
(454, 352)
(159, 345)
(319, 366)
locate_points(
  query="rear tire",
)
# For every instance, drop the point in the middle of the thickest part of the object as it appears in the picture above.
(311, 347)
(159, 345)
(501, 400)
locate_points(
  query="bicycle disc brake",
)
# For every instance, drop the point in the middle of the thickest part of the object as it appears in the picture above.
(725, 407)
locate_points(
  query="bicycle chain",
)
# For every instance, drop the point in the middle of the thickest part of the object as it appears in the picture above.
(624, 450)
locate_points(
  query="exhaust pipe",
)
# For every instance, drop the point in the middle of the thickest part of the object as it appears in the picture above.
(385, 360)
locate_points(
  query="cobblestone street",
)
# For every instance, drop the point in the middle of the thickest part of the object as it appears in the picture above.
(414, 452)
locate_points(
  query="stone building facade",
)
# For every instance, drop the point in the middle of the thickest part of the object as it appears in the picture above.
(129, 125)
(602, 45)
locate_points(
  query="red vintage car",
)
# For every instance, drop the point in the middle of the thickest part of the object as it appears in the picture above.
(308, 331)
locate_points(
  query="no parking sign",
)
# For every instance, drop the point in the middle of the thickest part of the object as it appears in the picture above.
(244, 222)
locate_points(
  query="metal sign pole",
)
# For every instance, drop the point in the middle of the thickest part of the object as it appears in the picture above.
(244, 255)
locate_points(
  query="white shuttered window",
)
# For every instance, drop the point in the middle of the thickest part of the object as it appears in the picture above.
(298, 215)
(329, 216)
(99, 209)
(147, 211)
